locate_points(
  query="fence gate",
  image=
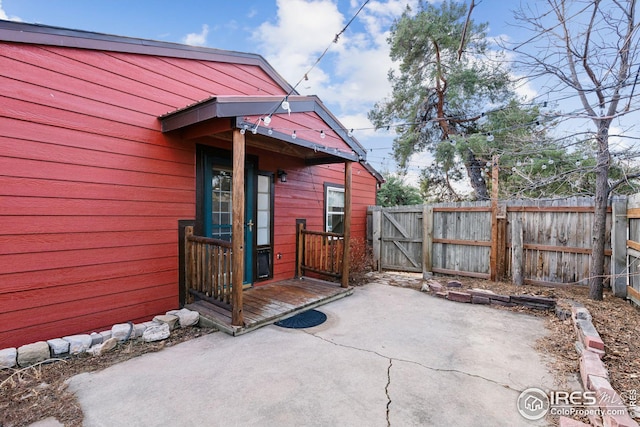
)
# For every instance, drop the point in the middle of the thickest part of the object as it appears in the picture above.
(401, 238)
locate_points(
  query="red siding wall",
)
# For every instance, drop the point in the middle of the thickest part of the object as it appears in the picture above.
(90, 190)
(302, 196)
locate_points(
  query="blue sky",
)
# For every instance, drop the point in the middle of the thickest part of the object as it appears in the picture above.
(290, 34)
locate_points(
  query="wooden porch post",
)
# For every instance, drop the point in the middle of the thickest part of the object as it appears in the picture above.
(347, 225)
(237, 240)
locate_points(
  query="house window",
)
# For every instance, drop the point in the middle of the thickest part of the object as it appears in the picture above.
(334, 209)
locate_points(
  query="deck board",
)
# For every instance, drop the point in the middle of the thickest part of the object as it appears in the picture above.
(264, 305)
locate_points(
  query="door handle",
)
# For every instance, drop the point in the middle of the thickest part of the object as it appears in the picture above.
(250, 225)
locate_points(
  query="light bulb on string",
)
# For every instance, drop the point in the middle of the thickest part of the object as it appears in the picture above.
(490, 137)
(551, 161)
(578, 163)
(539, 126)
(518, 163)
(244, 129)
(513, 169)
(585, 157)
(293, 135)
(285, 105)
(267, 120)
(350, 133)
(544, 166)
(270, 131)
(322, 134)
(254, 130)
(452, 142)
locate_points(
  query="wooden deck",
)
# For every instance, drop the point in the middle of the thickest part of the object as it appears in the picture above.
(264, 305)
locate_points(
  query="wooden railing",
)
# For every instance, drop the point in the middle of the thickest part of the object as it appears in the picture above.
(208, 270)
(320, 252)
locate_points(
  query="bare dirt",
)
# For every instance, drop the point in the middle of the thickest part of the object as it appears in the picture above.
(34, 393)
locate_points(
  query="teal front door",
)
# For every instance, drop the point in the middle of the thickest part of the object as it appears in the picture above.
(218, 214)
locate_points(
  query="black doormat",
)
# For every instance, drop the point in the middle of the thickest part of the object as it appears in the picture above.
(306, 319)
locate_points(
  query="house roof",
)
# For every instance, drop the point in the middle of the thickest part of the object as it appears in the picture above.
(240, 109)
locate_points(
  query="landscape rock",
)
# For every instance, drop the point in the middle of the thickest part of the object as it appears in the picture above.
(108, 345)
(157, 332)
(454, 284)
(169, 319)
(435, 286)
(96, 338)
(186, 317)
(138, 330)
(8, 358)
(105, 335)
(459, 296)
(122, 331)
(30, 354)
(58, 347)
(78, 343)
(442, 294)
(477, 299)
(102, 348)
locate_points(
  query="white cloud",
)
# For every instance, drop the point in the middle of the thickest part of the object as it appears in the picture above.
(6, 17)
(303, 29)
(197, 39)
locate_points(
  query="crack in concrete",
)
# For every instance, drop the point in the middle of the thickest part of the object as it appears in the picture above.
(430, 368)
(386, 391)
(391, 359)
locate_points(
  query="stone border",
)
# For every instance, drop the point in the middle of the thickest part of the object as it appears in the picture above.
(589, 345)
(484, 296)
(97, 343)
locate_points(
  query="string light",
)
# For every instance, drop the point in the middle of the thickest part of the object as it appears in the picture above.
(490, 137)
(294, 135)
(322, 134)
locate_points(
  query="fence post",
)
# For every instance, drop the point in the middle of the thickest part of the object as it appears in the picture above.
(619, 246)
(517, 250)
(376, 224)
(427, 241)
(493, 255)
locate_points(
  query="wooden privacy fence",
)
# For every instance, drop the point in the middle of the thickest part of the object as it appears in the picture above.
(633, 248)
(532, 241)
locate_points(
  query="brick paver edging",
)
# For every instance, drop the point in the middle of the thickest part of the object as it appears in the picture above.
(589, 345)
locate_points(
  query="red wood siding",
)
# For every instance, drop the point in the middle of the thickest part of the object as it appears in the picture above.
(90, 190)
(302, 197)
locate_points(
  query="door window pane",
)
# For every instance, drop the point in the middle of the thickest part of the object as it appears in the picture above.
(263, 220)
(221, 204)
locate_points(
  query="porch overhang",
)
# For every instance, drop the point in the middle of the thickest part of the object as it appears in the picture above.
(218, 116)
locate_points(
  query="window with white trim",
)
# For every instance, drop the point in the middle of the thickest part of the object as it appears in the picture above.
(334, 209)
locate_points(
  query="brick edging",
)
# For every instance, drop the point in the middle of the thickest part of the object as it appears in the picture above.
(589, 345)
